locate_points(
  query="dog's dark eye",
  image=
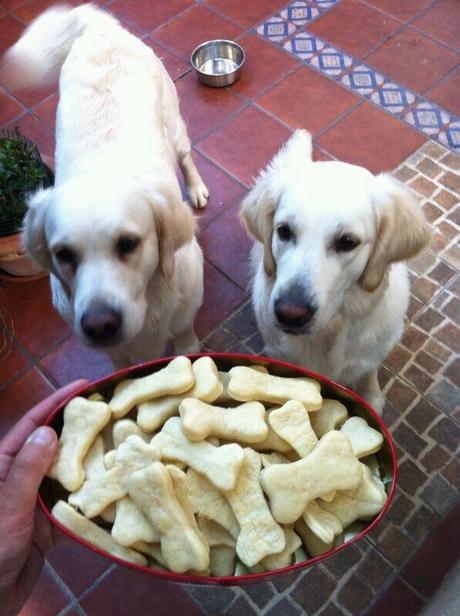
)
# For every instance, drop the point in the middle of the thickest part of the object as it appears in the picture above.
(66, 256)
(285, 233)
(127, 245)
(346, 243)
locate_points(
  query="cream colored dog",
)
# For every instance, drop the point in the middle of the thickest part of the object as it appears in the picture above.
(325, 292)
(127, 271)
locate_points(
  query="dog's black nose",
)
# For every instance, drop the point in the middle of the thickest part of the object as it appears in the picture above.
(294, 311)
(102, 325)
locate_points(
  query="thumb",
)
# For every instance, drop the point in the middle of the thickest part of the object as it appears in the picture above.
(19, 492)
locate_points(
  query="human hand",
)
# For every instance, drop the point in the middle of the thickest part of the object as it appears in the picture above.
(26, 453)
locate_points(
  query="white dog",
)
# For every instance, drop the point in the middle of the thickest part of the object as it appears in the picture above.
(127, 271)
(325, 293)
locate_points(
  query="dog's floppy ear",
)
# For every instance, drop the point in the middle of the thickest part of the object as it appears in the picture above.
(33, 232)
(402, 230)
(259, 206)
(175, 227)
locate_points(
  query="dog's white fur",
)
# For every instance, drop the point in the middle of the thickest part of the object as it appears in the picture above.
(119, 134)
(361, 298)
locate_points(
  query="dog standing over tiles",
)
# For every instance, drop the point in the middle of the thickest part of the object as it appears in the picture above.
(126, 269)
(330, 291)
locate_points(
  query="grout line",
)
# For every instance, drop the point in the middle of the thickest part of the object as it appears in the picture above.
(96, 582)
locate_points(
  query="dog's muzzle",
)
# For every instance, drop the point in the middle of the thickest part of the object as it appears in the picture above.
(294, 311)
(102, 325)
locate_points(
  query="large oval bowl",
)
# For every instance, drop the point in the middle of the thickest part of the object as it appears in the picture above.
(50, 491)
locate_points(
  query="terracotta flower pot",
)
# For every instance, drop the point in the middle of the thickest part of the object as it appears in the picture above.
(13, 259)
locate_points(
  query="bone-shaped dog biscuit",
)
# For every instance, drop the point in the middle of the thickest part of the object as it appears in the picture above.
(222, 560)
(219, 464)
(330, 466)
(247, 384)
(83, 420)
(215, 533)
(97, 493)
(291, 422)
(207, 387)
(81, 526)
(268, 459)
(364, 439)
(312, 542)
(284, 558)
(208, 502)
(93, 465)
(260, 535)
(329, 417)
(244, 423)
(153, 550)
(153, 491)
(325, 525)
(123, 428)
(130, 524)
(175, 378)
(361, 503)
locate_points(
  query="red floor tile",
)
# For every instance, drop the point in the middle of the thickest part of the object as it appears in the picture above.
(223, 190)
(413, 60)
(402, 10)
(20, 396)
(46, 110)
(72, 360)
(341, 25)
(202, 107)
(186, 31)
(434, 558)
(10, 30)
(27, 11)
(174, 65)
(369, 137)
(245, 144)
(13, 360)
(37, 326)
(442, 20)
(314, 100)
(447, 93)
(264, 66)
(9, 108)
(249, 13)
(47, 598)
(226, 244)
(31, 96)
(124, 589)
(77, 566)
(9, 5)
(147, 14)
(221, 298)
(398, 600)
(37, 131)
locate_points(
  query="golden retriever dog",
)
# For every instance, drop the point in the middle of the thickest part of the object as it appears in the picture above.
(330, 292)
(126, 269)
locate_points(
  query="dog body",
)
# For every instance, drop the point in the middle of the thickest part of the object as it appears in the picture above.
(329, 290)
(126, 269)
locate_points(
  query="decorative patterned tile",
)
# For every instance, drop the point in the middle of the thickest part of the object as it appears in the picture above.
(392, 98)
(363, 80)
(325, 58)
(301, 13)
(276, 29)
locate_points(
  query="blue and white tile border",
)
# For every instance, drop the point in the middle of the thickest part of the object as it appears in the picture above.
(288, 29)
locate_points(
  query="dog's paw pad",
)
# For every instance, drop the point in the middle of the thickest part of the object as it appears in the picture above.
(198, 195)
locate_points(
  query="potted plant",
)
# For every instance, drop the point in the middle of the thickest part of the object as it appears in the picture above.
(22, 170)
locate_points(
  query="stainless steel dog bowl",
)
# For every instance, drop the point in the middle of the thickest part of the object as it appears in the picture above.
(218, 63)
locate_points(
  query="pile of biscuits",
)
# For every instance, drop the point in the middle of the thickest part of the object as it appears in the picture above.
(215, 473)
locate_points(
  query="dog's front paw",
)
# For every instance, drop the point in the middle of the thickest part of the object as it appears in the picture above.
(198, 195)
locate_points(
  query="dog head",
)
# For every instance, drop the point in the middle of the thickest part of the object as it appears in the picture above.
(106, 239)
(326, 227)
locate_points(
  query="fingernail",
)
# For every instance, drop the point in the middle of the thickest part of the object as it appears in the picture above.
(42, 437)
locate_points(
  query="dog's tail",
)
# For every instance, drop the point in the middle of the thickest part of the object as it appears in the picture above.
(38, 55)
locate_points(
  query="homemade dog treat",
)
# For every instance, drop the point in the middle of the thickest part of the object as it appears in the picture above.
(83, 420)
(291, 422)
(78, 524)
(193, 501)
(329, 417)
(247, 384)
(219, 464)
(244, 423)
(260, 535)
(152, 490)
(207, 387)
(330, 466)
(175, 378)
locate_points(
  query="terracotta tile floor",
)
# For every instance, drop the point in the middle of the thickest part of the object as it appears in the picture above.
(376, 81)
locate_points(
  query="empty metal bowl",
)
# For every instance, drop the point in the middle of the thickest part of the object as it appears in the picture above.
(218, 63)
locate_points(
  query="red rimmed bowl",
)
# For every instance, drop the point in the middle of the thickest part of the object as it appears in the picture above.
(51, 492)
